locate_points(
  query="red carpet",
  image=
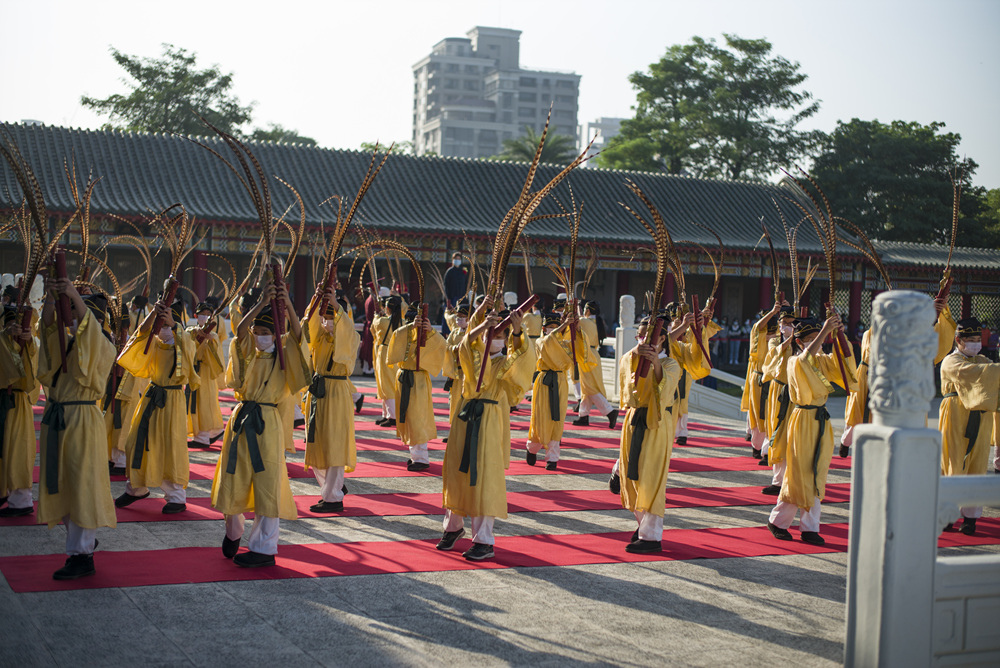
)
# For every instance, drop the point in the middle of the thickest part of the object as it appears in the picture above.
(206, 564)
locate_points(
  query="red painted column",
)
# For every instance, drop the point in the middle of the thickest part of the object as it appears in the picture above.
(199, 279)
(766, 293)
(966, 305)
(300, 285)
(522, 287)
(669, 290)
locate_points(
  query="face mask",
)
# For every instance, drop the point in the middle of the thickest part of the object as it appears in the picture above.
(496, 345)
(972, 348)
(461, 323)
(786, 331)
(456, 263)
(264, 342)
(166, 335)
(202, 319)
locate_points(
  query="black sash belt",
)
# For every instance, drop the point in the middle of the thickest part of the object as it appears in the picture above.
(192, 395)
(783, 403)
(54, 418)
(249, 422)
(682, 390)
(971, 428)
(157, 398)
(6, 406)
(114, 382)
(822, 416)
(550, 379)
(406, 382)
(317, 390)
(765, 388)
(472, 415)
(635, 444)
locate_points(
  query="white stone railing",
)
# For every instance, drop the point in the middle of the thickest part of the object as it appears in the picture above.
(906, 606)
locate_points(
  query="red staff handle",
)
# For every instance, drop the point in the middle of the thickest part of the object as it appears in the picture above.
(945, 289)
(781, 297)
(63, 309)
(421, 333)
(698, 330)
(652, 335)
(278, 311)
(502, 325)
(322, 301)
(207, 329)
(166, 300)
(25, 320)
(574, 327)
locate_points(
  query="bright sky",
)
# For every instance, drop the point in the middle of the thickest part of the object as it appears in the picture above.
(340, 71)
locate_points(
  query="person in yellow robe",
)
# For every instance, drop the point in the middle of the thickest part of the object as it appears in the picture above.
(532, 324)
(330, 446)
(478, 452)
(970, 385)
(809, 432)
(204, 417)
(414, 402)
(592, 380)
(119, 402)
(647, 439)
(451, 368)
(857, 412)
(18, 393)
(251, 474)
(550, 393)
(383, 325)
(685, 349)
(156, 449)
(775, 372)
(755, 388)
(74, 487)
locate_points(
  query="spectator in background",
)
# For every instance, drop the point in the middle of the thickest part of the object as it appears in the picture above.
(455, 280)
(745, 340)
(734, 332)
(715, 343)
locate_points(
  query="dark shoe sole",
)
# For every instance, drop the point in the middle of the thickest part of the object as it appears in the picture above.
(126, 499)
(174, 508)
(779, 533)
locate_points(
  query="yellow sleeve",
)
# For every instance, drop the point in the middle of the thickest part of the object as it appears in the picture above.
(553, 351)
(94, 355)
(945, 328)
(975, 379)
(133, 357)
(11, 366)
(432, 355)
(298, 373)
(347, 340)
(400, 343)
(774, 361)
(830, 368)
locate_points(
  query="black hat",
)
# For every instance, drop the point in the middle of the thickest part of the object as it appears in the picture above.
(124, 320)
(139, 301)
(203, 306)
(411, 312)
(969, 327)
(644, 320)
(9, 314)
(177, 311)
(394, 302)
(11, 293)
(593, 307)
(806, 326)
(558, 303)
(98, 305)
(265, 318)
(551, 319)
(212, 301)
(786, 312)
(249, 300)
(464, 308)
(671, 310)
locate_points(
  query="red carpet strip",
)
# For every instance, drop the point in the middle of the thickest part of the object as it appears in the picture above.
(206, 564)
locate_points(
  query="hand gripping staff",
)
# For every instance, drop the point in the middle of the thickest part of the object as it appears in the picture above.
(494, 331)
(698, 330)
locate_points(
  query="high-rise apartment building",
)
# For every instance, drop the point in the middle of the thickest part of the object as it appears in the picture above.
(470, 93)
(604, 128)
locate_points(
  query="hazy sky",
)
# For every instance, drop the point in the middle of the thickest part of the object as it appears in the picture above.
(341, 71)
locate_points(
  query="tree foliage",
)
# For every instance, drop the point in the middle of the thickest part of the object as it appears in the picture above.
(713, 111)
(276, 132)
(894, 181)
(404, 147)
(169, 93)
(557, 149)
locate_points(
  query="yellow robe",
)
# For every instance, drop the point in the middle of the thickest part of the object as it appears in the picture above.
(976, 382)
(84, 489)
(259, 380)
(553, 353)
(165, 366)
(754, 398)
(19, 383)
(127, 397)
(776, 371)
(417, 425)
(330, 418)
(647, 492)
(206, 414)
(809, 379)
(855, 412)
(505, 374)
(384, 376)
(591, 379)
(693, 365)
(532, 324)
(945, 328)
(452, 369)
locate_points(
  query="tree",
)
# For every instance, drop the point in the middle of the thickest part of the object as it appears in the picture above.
(277, 132)
(893, 181)
(168, 94)
(557, 149)
(404, 147)
(711, 111)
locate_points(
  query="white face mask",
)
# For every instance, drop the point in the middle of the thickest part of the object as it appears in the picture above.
(786, 331)
(971, 348)
(166, 335)
(265, 342)
(496, 345)
(461, 323)
(456, 263)
(202, 319)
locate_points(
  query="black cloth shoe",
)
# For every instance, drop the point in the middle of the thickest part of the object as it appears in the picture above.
(449, 538)
(416, 466)
(174, 508)
(16, 512)
(844, 451)
(613, 419)
(447, 385)
(344, 490)
(812, 537)
(779, 533)
(771, 490)
(444, 440)
(644, 546)
(551, 466)
(582, 421)
(764, 460)
(531, 458)
(357, 404)
(127, 499)
(755, 453)
(968, 526)
(230, 547)
(381, 421)
(215, 438)
(951, 528)
(327, 507)
(478, 552)
(389, 422)
(299, 422)
(116, 470)
(747, 437)
(681, 440)
(253, 559)
(77, 566)
(197, 445)
(615, 483)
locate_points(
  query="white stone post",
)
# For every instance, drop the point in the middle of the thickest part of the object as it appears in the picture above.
(624, 339)
(894, 483)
